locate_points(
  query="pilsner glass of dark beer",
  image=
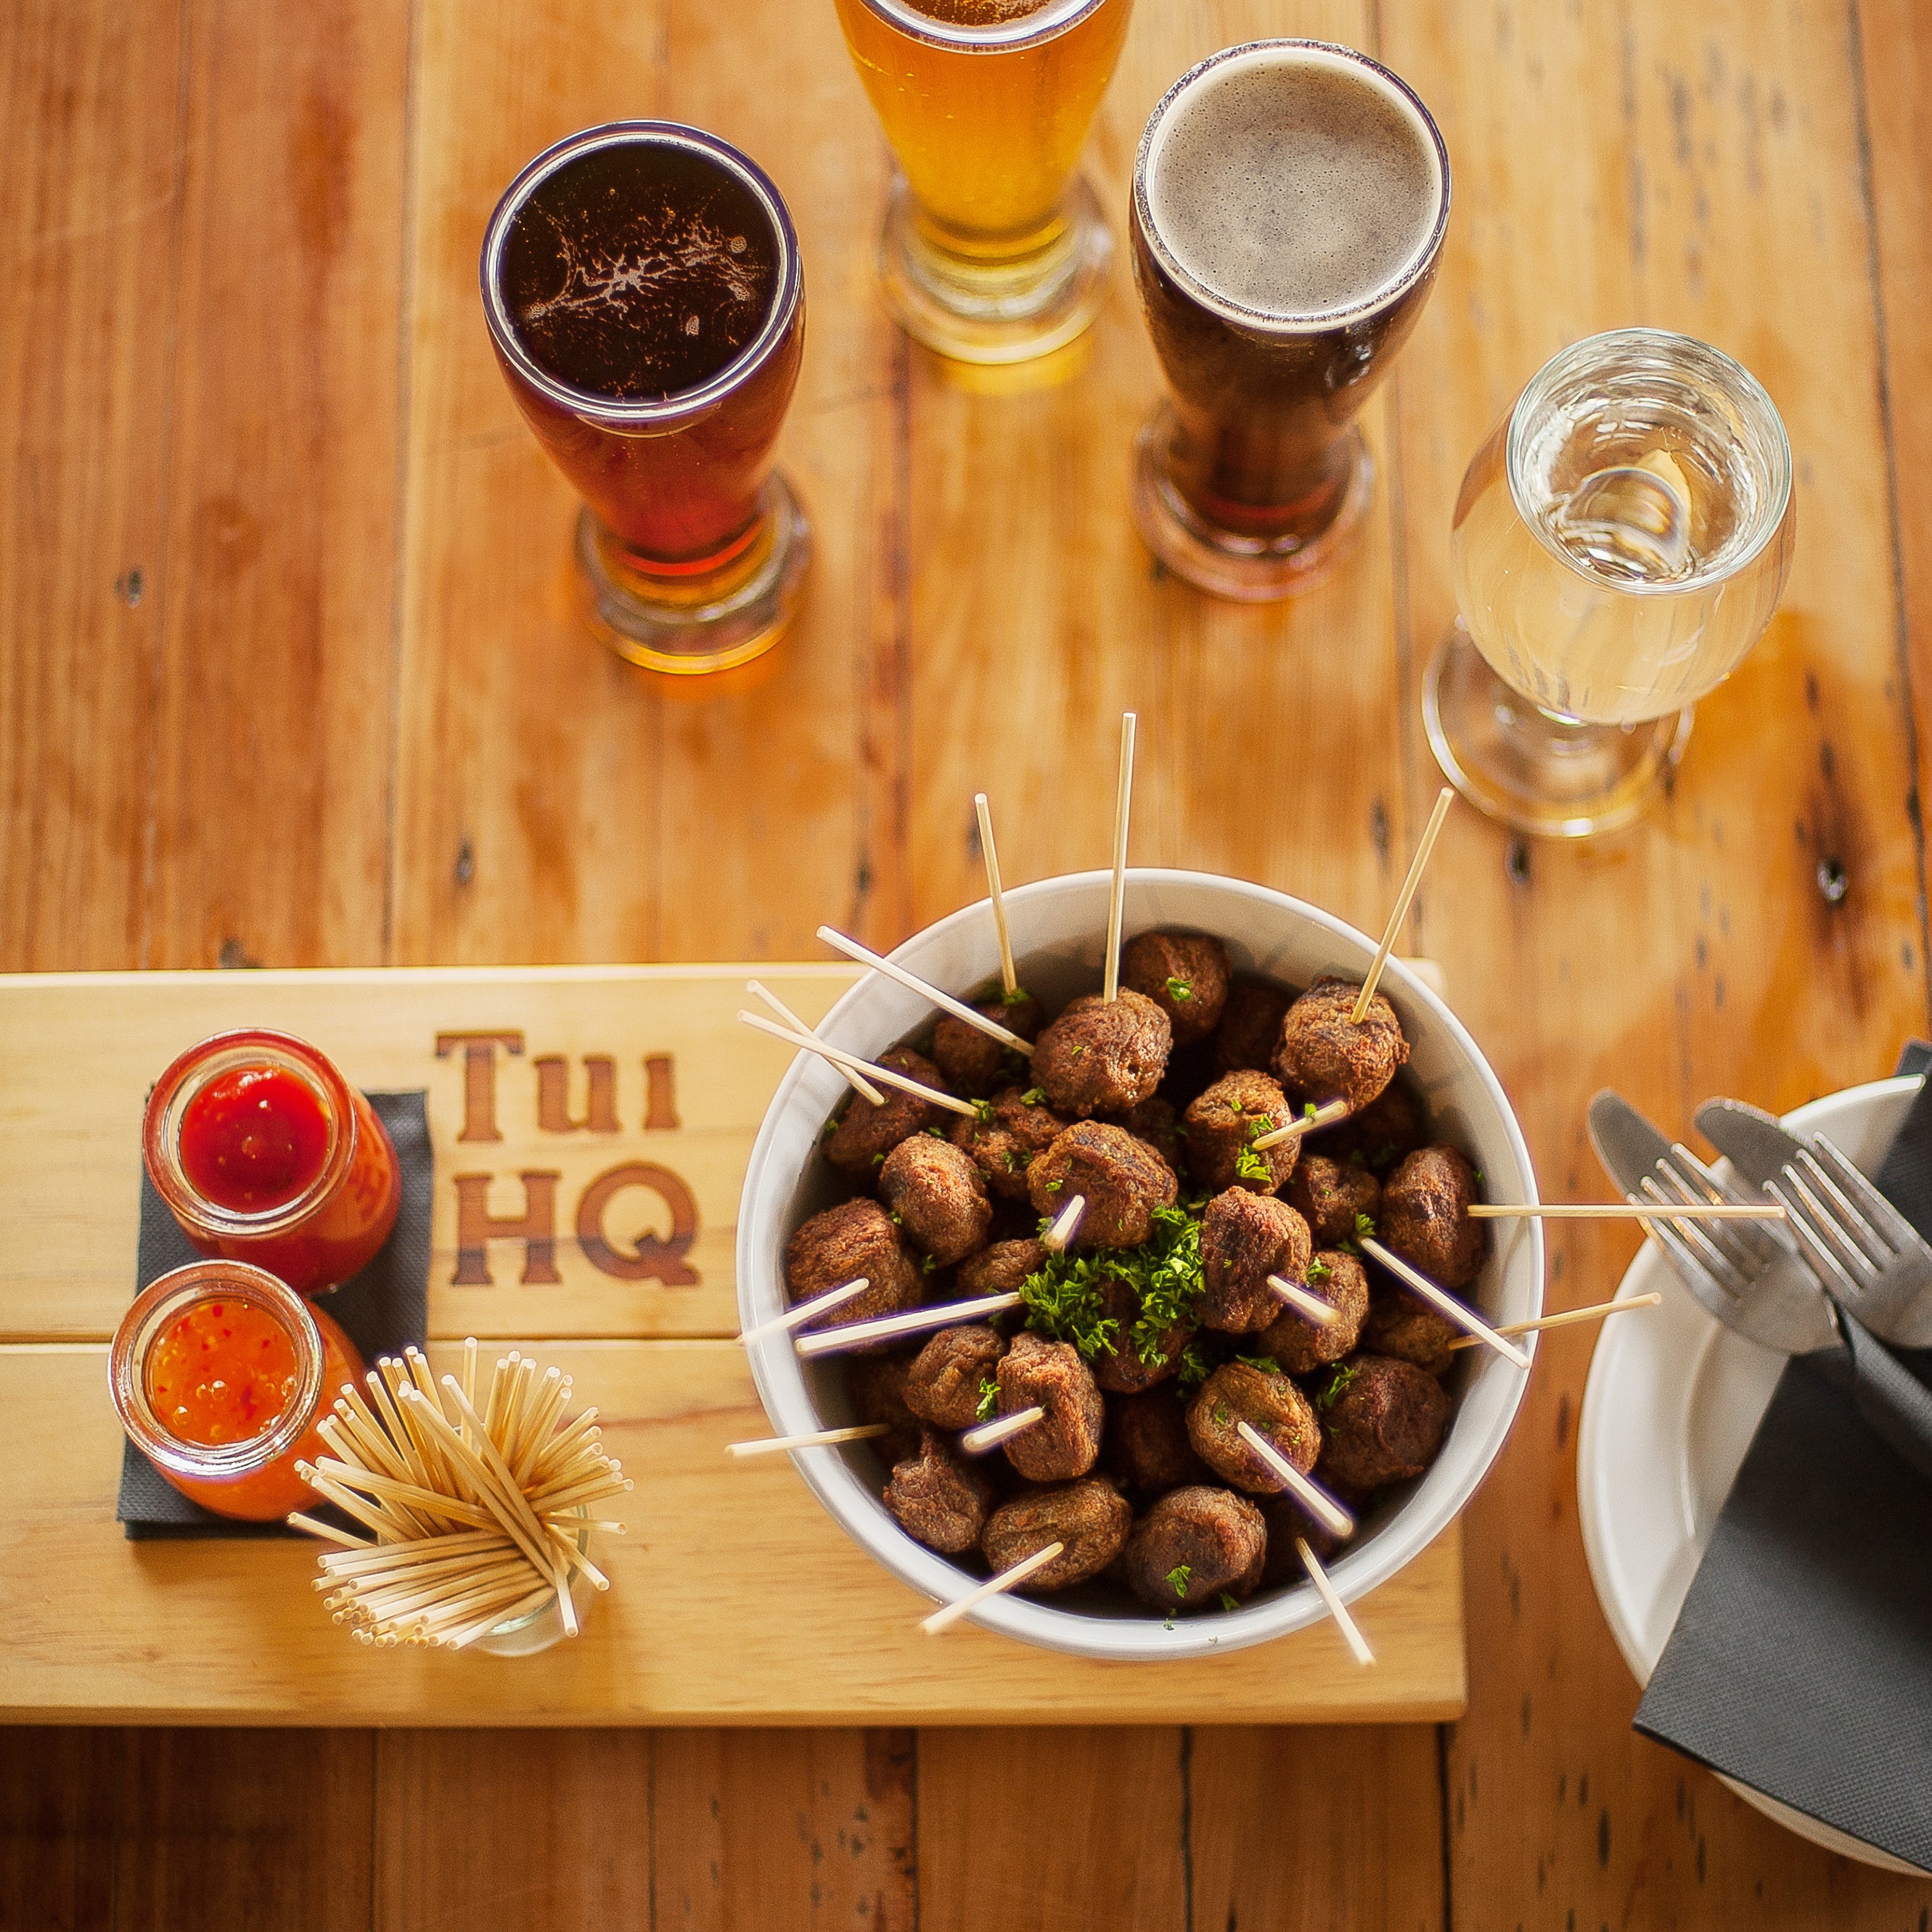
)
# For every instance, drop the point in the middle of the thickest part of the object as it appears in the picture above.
(642, 288)
(994, 251)
(1290, 200)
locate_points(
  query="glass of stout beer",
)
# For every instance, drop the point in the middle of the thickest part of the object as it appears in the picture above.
(1620, 543)
(993, 251)
(643, 292)
(1290, 200)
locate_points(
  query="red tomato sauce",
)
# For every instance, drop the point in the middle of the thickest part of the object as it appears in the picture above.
(253, 1139)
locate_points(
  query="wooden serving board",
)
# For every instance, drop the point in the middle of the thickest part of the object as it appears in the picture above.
(735, 1598)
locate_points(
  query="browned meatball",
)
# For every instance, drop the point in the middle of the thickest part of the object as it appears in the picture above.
(975, 1063)
(867, 1134)
(875, 1386)
(1324, 1054)
(856, 1238)
(1185, 974)
(1382, 1420)
(1000, 1269)
(1193, 1544)
(1145, 1448)
(942, 1384)
(1101, 1057)
(1300, 1345)
(1003, 1147)
(1223, 1126)
(1066, 1441)
(1122, 1179)
(1123, 1368)
(1391, 1125)
(1156, 1122)
(1286, 1520)
(1250, 1028)
(1245, 1238)
(1328, 1194)
(938, 1194)
(1425, 1216)
(1398, 1324)
(1091, 1517)
(939, 1498)
(1271, 1405)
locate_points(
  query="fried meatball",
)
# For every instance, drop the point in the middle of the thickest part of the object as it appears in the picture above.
(867, 1134)
(1003, 1147)
(942, 1384)
(1425, 1216)
(1156, 1122)
(1101, 1057)
(1121, 1369)
(1300, 1345)
(1324, 1054)
(856, 1238)
(1192, 1545)
(1286, 1520)
(1000, 1269)
(1398, 1324)
(939, 1196)
(1328, 1194)
(1391, 1125)
(939, 1498)
(875, 1387)
(1066, 1441)
(1271, 1405)
(1091, 1517)
(975, 1062)
(1223, 1126)
(1382, 1420)
(1122, 1179)
(1245, 1238)
(1250, 1028)
(1185, 974)
(1144, 1447)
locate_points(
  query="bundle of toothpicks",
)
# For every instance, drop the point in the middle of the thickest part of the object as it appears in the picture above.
(477, 1516)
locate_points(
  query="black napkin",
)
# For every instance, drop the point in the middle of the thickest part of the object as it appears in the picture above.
(1800, 1664)
(382, 1310)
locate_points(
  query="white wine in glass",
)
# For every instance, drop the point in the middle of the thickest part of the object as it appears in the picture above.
(1620, 543)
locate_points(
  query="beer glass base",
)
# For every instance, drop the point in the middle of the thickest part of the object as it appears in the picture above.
(1535, 772)
(995, 311)
(1247, 569)
(713, 622)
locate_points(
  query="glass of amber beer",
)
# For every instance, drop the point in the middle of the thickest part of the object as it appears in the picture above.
(1289, 203)
(642, 288)
(994, 251)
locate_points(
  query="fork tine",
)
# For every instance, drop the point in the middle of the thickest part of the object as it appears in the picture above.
(1692, 1272)
(1752, 1245)
(1852, 1224)
(1670, 1188)
(1831, 1229)
(1892, 1227)
(1823, 1263)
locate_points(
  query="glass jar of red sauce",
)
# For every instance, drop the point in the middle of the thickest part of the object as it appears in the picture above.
(220, 1372)
(265, 1153)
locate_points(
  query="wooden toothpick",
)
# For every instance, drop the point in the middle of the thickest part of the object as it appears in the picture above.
(1596, 1312)
(855, 1334)
(1059, 1238)
(848, 1064)
(1318, 1502)
(1621, 1210)
(817, 1438)
(958, 1009)
(1325, 1115)
(1402, 903)
(1310, 1307)
(1117, 899)
(759, 990)
(990, 1434)
(1332, 1600)
(1009, 977)
(805, 1311)
(1442, 1301)
(994, 1586)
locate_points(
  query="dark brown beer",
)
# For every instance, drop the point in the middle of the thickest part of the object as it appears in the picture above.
(1289, 203)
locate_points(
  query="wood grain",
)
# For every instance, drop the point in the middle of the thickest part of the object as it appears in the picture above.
(60, 1804)
(229, 1632)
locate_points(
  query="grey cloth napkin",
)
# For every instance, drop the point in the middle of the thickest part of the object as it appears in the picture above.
(382, 1310)
(1800, 1664)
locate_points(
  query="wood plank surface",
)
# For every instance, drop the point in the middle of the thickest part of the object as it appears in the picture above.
(103, 1630)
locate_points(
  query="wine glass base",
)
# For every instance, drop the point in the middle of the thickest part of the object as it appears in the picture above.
(690, 626)
(996, 311)
(1534, 772)
(1247, 569)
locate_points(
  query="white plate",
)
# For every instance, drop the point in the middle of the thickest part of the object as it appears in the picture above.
(1672, 1402)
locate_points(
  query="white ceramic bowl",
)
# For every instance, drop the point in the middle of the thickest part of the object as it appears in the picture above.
(1059, 927)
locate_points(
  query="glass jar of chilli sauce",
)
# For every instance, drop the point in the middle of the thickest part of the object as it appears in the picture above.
(220, 1373)
(265, 1153)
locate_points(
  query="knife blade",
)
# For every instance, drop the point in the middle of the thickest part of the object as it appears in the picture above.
(1756, 1143)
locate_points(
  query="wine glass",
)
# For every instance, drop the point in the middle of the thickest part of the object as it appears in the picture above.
(1620, 543)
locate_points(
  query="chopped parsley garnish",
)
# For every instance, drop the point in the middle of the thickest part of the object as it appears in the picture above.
(1065, 1299)
(1221, 1415)
(1179, 1577)
(1033, 1097)
(830, 1128)
(1365, 1227)
(1018, 997)
(1074, 1053)
(1249, 1165)
(1054, 1186)
(1318, 1273)
(1179, 989)
(896, 1218)
(1195, 1368)
(1309, 1110)
(1327, 1396)
(937, 1133)
(989, 1400)
(1228, 1602)
(982, 1112)
(927, 1264)
(1267, 1364)
(878, 1160)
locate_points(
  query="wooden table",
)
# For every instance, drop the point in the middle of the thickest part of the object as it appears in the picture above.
(287, 676)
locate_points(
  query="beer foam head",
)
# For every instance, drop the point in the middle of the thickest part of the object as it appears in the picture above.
(1293, 184)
